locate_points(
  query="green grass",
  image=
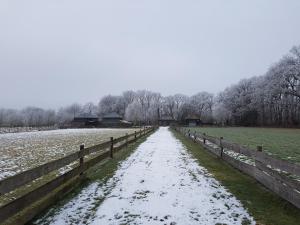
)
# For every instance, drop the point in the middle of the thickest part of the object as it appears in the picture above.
(263, 205)
(281, 142)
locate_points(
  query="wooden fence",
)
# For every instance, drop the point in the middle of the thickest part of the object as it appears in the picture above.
(280, 176)
(106, 150)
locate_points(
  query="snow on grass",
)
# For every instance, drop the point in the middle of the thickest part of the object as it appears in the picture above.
(79, 210)
(4, 130)
(22, 151)
(233, 154)
(160, 183)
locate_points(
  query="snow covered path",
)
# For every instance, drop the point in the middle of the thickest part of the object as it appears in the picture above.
(160, 183)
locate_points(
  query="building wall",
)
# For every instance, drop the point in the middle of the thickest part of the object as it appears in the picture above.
(192, 124)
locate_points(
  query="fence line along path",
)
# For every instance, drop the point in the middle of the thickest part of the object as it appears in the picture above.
(280, 176)
(160, 183)
(74, 175)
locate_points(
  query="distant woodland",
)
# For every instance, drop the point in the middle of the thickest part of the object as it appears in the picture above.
(272, 99)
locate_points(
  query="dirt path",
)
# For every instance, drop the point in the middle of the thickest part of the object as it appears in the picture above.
(160, 183)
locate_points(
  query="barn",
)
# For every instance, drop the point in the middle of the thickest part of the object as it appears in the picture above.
(192, 121)
(113, 119)
(166, 121)
(85, 120)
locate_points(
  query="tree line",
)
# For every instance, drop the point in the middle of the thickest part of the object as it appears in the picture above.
(272, 99)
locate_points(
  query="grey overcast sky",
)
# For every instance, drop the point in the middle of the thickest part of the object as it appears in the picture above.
(57, 52)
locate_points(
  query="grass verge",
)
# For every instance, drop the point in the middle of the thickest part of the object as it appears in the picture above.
(282, 143)
(266, 207)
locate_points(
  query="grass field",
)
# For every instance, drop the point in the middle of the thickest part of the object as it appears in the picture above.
(280, 142)
(262, 204)
(22, 151)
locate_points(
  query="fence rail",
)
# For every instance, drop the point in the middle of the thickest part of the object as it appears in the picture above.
(280, 176)
(106, 150)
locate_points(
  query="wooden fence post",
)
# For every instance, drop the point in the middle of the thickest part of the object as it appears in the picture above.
(204, 139)
(134, 135)
(257, 163)
(111, 147)
(195, 136)
(81, 153)
(221, 146)
(259, 148)
(126, 140)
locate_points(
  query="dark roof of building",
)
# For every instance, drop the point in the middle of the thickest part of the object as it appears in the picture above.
(112, 115)
(166, 118)
(87, 116)
(192, 117)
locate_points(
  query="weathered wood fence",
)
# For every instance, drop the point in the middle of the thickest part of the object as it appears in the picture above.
(106, 150)
(280, 176)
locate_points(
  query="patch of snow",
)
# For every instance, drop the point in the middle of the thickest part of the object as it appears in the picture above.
(4, 130)
(160, 183)
(76, 211)
(231, 153)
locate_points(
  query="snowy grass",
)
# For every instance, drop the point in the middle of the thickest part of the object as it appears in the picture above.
(100, 172)
(22, 151)
(4, 130)
(281, 142)
(263, 205)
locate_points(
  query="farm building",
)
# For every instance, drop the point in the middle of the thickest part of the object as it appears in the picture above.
(192, 121)
(166, 121)
(85, 120)
(114, 120)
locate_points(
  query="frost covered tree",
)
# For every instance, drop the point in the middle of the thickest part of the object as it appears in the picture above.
(29, 117)
(90, 108)
(271, 99)
(128, 97)
(134, 113)
(221, 114)
(110, 103)
(75, 109)
(172, 106)
(201, 105)
(150, 103)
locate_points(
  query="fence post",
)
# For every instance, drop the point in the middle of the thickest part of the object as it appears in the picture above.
(221, 146)
(259, 148)
(81, 153)
(204, 139)
(189, 134)
(111, 147)
(135, 135)
(195, 136)
(126, 140)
